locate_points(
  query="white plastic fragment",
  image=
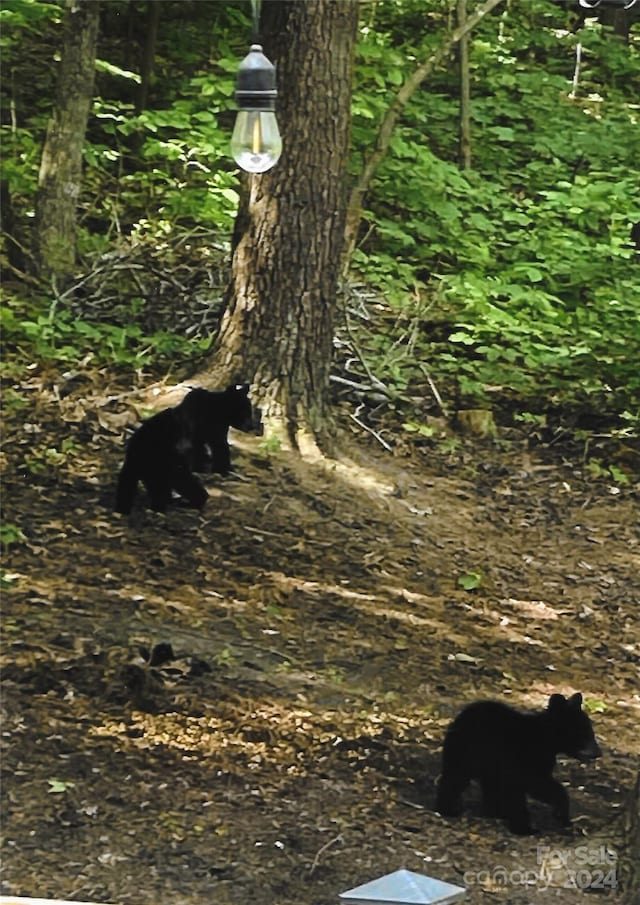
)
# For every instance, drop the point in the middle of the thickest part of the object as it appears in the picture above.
(404, 887)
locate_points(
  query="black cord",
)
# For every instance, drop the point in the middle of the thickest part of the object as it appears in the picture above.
(255, 8)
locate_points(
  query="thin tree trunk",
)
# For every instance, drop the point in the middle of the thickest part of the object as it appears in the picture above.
(54, 240)
(147, 68)
(277, 329)
(618, 19)
(9, 227)
(465, 92)
(576, 71)
(383, 138)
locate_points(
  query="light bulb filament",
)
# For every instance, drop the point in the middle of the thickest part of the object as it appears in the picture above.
(256, 145)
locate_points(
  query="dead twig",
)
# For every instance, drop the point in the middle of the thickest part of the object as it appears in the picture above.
(321, 851)
(434, 390)
(371, 431)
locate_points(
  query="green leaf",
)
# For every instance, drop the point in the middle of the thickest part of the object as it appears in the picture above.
(471, 581)
(10, 534)
(463, 338)
(58, 786)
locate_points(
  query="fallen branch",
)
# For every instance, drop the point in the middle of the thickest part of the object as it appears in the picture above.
(371, 431)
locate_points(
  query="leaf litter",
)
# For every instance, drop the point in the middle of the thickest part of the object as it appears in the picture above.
(320, 641)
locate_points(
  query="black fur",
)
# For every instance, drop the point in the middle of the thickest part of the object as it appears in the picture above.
(164, 451)
(209, 416)
(512, 755)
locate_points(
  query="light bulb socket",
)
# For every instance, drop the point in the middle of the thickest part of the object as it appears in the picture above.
(256, 82)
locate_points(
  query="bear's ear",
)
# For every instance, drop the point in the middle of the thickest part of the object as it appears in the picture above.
(575, 701)
(557, 702)
(242, 389)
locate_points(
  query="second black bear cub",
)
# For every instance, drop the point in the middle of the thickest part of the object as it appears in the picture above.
(512, 755)
(165, 450)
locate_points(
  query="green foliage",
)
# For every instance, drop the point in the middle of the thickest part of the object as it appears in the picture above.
(611, 472)
(168, 161)
(185, 175)
(26, 15)
(421, 430)
(59, 786)
(183, 171)
(270, 446)
(42, 460)
(524, 261)
(10, 535)
(527, 256)
(13, 402)
(471, 581)
(226, 657)
(24, 26)
(50, 333)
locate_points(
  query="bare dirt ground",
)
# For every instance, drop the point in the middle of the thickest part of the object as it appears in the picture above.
(322, 643)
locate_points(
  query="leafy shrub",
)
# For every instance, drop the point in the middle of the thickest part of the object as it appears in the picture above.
(527, 255)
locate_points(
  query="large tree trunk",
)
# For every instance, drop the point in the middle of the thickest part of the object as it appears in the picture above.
(278, 326)
(54, 240)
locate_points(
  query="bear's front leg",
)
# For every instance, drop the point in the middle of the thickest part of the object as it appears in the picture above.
(517, 813)
(492, 799)
(220, 457)
(159, 490)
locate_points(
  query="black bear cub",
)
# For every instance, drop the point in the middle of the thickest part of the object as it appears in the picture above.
(164, 451)
(512, 754)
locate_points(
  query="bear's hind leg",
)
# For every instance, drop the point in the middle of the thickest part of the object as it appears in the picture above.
(190, 487)
(551, 792)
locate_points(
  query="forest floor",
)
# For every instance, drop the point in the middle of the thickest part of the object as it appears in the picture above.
(322, 643)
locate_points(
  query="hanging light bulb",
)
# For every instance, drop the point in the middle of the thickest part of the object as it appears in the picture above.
(256, 144)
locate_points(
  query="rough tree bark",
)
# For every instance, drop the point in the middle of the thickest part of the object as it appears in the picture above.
(54, 237)
(277, 329)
